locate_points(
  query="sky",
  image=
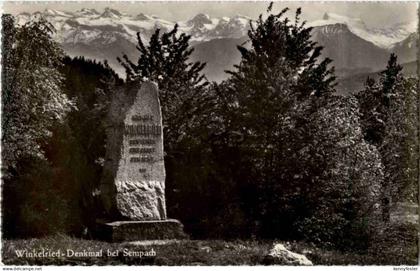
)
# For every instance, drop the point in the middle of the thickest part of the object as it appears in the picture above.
(374, 14)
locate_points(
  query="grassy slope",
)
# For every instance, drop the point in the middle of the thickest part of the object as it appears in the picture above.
(188, 252)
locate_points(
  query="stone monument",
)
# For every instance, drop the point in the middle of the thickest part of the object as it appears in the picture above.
(133, 181)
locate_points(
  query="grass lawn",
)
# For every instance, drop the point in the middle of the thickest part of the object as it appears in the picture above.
(185, 252)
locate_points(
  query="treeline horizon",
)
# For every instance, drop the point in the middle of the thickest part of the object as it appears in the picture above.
(270, 152)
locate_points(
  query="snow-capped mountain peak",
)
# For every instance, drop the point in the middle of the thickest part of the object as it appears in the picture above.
(332, 18)
(110, 33)
(199, 20)
(332, 29)
(57, 13)
(202, 27)
(111, 13)
(384, 38)
(336, 18)
(87, 12)
(409, 27)
(142, 17)
(241, 20)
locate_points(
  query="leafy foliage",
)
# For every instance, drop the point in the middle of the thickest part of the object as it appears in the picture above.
(52, 148)
(341, 197)
(32, 96)
(33, 105)
(306, 169)
(276, 41)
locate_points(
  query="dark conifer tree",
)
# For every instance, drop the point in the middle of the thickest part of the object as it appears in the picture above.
(376, 99)
(390, 78)
(387, 113)
(77, 149)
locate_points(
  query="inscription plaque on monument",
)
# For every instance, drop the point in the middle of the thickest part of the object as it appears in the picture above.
(133, 181)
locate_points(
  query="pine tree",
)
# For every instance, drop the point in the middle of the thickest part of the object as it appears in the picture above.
(376, 100)
(390, 78)
(77, 149)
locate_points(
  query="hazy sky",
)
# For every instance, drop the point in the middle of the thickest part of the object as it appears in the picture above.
(374, 14)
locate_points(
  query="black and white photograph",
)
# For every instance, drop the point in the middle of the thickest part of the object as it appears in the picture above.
(210, 133)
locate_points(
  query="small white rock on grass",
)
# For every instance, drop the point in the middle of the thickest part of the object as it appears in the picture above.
(280, 255)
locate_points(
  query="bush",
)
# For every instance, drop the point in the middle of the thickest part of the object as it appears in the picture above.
(344, 195)
(332, 191)
(36, 205)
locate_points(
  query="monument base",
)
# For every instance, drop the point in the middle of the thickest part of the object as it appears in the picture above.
(120, 231)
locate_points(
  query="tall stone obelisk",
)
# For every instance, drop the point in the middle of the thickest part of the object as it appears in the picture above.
(133, 181)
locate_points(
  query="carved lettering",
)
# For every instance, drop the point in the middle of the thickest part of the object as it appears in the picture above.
(142, 142)
(133, 142)
(143, 118)
(145, 130)
(135, 160)
(147, 150)
(146, 159)
(134, 150)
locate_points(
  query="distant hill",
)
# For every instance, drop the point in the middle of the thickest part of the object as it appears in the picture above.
(220, 55)
(406, 50)
(355, 82)
(348, 51)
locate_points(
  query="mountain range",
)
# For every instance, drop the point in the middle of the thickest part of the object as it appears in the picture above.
(354, 48)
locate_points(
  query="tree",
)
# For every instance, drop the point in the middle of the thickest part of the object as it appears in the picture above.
(77, 149)
(300, 147)
(274, 83)
(388, 121)
(276, 41)
(339, 198)
(279, 82)
(32, 96)
(183, 91)
(33, 105)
